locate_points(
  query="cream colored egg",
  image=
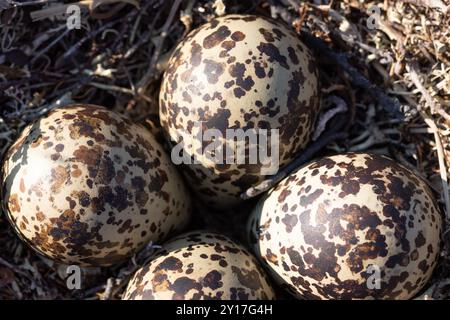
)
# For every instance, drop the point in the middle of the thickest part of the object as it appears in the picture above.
(200, 266)
(351, 226)
(84, 185)
(238, 72)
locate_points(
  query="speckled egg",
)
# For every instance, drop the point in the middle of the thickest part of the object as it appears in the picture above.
(84, 185)
(238, 72)
(200, 266)
(351, 226)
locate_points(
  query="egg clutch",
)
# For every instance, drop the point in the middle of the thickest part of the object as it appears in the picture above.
(85, 185)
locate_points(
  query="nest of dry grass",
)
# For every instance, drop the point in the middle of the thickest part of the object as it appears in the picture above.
(393, 80)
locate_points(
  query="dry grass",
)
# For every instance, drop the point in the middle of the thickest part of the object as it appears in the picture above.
(394, 83)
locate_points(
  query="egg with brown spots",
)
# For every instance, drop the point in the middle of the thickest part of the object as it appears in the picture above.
(351, 226)
(237, 72)
(200, 265)
(84, 185)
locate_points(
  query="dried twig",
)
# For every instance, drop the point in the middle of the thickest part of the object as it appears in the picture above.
(6, 4)
(391, 105)
(332, 135)
(165, 31)
(341, 106)
(108, 290)
(430, 122)
(111, 87)
(429, 4)
(12, 267)
(186, 16)
(91, 35)
(54, 42)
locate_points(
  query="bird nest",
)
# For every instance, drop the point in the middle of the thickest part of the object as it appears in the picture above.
(385, 77)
